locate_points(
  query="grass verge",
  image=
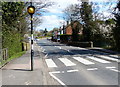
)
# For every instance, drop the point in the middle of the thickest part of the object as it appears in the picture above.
(17, 55)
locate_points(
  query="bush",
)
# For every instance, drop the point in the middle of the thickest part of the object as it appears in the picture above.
(11, 40)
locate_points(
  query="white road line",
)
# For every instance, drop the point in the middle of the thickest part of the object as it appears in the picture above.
(62, 71)
(68, 50)
(50, 63)
(59, 47)
(98, 60)
(82, 60)
(72, 70)
(115, 70)
(109, 58)
(27, 83)
(114, 56)
(91, 69)
(51, 74)
(110, 67)
(55, 72)
(43, 50)
(66, 62)
(46, 55)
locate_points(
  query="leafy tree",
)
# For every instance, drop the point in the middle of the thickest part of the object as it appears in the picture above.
(45, 32)
(116, 30)
(87, 19)
(13, 26)
(15, 23)
(83, 13)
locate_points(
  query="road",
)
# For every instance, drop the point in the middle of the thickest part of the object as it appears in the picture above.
(79, 66)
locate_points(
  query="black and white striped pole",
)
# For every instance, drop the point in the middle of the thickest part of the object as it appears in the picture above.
(31, 11)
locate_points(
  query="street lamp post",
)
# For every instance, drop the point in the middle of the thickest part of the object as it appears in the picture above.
(31, 11)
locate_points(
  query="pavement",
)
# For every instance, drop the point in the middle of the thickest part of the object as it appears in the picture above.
(18, 71)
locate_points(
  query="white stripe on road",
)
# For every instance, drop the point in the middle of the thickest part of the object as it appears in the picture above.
(66, 62)
(115, 70)
(114, 56)
(68, 50)
(46, 55)
(51, 74)
(73, 70)
(43, 50)
(91, 69)
(110, 67)
(59, 47)
(55, 72)
(27, 83)
(109, 58)
(82, 60)
(97, 59)
(50, 63)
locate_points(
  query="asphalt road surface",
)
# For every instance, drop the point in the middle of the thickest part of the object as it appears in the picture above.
(79, 66)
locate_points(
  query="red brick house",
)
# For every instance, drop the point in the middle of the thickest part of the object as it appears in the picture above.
(69, 29)
(68, 32)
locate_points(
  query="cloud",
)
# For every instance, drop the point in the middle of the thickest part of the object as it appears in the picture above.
(52, 18)
(54, 9)
(102, 0)
(50, 22)
(64, 3)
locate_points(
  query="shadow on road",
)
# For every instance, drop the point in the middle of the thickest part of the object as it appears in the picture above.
(21, 69)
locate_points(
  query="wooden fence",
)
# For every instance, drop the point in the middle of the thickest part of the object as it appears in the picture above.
(3, 55)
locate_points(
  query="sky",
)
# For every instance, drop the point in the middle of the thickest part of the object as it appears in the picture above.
(53, 17)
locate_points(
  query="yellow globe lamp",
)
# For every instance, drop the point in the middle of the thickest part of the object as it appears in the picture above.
(31, 10)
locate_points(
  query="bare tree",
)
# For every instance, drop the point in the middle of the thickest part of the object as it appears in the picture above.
(40, 8)
(72, 12)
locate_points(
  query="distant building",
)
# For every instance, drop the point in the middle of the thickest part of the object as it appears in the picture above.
(65, 32)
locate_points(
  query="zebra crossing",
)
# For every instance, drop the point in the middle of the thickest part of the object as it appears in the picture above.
(108, 58)
(89, 60)
(67, 62)
(84, 61)
(50, 63)
(98, 59)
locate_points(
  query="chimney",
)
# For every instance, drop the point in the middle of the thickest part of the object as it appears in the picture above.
(67, 22)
